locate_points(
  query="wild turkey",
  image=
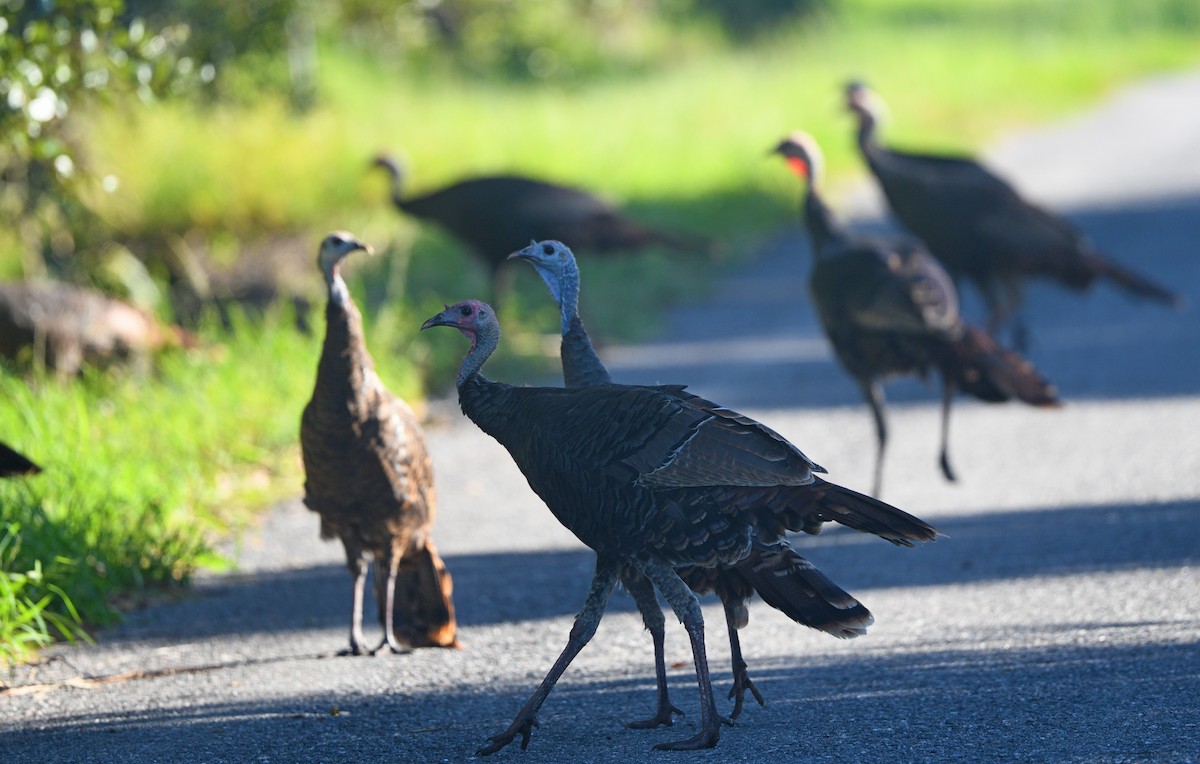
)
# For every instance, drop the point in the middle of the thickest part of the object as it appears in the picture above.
(889, 308)
(556, 265)
(370, 478)
(67, 326)
(495, 215)
(654, 479)
(981, 229)
(13, 464)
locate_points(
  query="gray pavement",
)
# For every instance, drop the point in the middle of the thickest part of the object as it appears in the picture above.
(1059, 620)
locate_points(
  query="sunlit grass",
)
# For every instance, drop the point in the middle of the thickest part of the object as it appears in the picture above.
(668, 141)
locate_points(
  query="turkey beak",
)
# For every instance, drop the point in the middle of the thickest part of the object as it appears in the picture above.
(523, 254)
(365, 247)
(441, 319)
(852, 91)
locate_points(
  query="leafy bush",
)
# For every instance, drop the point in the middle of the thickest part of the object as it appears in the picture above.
(245, 48)
(56, 60)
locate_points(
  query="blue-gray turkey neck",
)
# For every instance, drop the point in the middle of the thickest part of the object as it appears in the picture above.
(581, 365)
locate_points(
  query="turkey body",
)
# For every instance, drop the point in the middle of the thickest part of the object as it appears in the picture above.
(981, 229)
(808, 597)
(370, 478)
(498, 214)
(890, 309)
(653, 479)
(495, 215)
(68, 326)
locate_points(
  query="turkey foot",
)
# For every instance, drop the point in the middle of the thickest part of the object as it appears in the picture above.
(664, 717)
(707, 738)
(741, 683)
(523, 725)
(358, 645)
(391, 646)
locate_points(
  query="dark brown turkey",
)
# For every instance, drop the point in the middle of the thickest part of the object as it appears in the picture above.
(980, 227)
(370, 478)
(654, 479)
(13, 463)
(889, 309)
(495, 215)
(818, 602)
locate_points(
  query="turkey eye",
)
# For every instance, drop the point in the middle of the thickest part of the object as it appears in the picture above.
(465, 310)
(547, 249)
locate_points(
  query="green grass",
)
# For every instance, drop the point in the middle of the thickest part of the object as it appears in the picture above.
(144, 471)
(33, 609)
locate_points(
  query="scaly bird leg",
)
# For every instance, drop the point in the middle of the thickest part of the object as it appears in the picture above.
(687, 608)
(388, 609)
(583, 630)
(358, 569)
(875, 397)
(643, 594)
(944, 458)
(741, 677)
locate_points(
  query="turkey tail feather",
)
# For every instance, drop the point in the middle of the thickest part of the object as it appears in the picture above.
(792, 585)
(982, 367)
(424, 609)
(1137, 285)
(854, 510)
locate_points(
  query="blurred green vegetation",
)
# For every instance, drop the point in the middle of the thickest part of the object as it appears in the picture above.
(230, 136)
(141, 472)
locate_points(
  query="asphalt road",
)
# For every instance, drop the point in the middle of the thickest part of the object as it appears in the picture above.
(1059, 620)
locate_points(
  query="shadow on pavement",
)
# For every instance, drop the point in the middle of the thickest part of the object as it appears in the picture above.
(526, 586)
(943, 704)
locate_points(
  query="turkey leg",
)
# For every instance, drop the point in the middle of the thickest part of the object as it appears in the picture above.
(687, 608)
(643, 594)
(583, 630)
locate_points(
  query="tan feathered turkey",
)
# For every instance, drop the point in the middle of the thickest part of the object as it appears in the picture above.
(370, 478)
